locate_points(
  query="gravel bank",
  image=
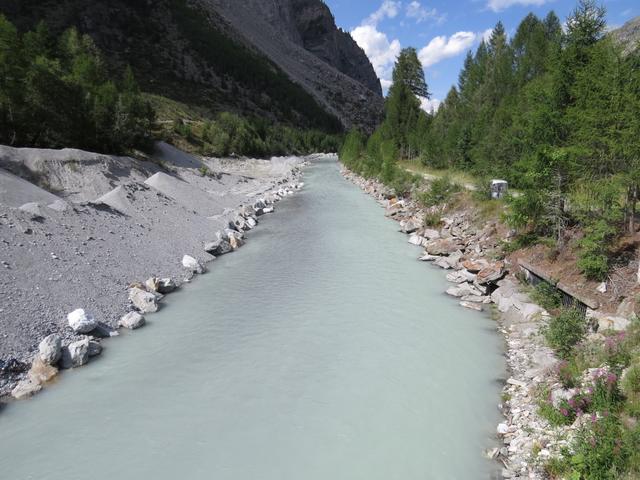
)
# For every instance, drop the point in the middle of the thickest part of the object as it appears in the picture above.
(78, 228)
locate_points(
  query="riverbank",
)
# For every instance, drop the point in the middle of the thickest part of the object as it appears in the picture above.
(483, 280)
(105, 236)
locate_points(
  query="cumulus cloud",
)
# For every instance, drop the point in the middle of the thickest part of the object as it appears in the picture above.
(430, 105)
(381, 51)
(388, 9)
(419, 13)
(442, 47)
(499, 5)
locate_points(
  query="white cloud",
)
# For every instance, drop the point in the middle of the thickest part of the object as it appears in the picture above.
(419, 13)
(388, 9)
(381, 51)
(430, 105)
(441, 47)
(486, 35)
(499, 5)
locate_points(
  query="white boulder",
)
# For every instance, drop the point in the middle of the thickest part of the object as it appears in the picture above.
(192, 264)
(132, 321)
(81, 322)
(144, 301)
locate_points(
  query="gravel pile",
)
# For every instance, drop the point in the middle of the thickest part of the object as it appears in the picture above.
(84, 245)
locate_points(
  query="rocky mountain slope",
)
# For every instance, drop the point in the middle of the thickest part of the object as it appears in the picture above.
(629, 35)
(283, 59)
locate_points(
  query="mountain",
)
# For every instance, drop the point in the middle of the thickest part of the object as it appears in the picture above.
(283, 60)
(628, 35)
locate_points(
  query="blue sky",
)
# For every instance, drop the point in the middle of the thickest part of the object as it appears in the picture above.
(443, 31)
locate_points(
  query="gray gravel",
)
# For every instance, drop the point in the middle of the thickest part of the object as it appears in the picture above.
(109, 226)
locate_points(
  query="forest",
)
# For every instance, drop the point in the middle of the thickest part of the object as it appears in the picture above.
(554, 112)
(57, 91)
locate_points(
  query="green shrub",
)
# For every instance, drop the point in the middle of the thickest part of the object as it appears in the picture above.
(565, 331)
(440, 191)
(547, 296)
(631, 381)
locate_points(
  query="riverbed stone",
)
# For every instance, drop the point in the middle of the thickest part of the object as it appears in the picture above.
(25, 389)
(75, 354)
(144, 301)
(49, 349)
(81, 321)
(166, 285)
(472, 306)
(443, 246)
(41, 372)
(193, 265)
(219, 247)
(463, 290)
(491, 273)
(132, 321)
(461, 276)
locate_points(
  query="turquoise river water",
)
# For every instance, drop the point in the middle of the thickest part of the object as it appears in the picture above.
(322, 350)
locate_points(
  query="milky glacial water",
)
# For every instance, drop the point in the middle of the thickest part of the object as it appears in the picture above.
(322, 350)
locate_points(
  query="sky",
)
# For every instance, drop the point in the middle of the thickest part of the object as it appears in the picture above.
(444, 30)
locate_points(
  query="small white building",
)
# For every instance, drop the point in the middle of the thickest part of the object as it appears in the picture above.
(499, 188)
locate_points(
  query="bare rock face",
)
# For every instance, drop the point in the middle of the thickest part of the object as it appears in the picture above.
(628, 36)
(301, 37)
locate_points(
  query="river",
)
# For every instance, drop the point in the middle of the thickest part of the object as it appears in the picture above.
(321, 350)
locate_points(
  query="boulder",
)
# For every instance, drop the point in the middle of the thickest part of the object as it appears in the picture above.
(41, 372)
(144, 301)
(409, 226)
(617, 324)
(491, 273)
(463, 290)
(430, 234)
(95, 348)
(268, 210)
(81, 321)
(235, 241)
(132, 321)
(25, 389)
(627, 308)
(191, 264)
(428, 258)
(444, 246)
(416, 240)
(474, 266)
(152, 284)
(461, 276)
(166, 285)
(75, 354)
(49, 349)
(220, 247)
(472, 306)
(476, 299)
(252, 222)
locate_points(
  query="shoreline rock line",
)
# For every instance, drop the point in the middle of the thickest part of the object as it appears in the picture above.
(523, 440)
(73, 343)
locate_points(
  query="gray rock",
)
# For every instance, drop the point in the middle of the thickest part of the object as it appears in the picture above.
(49, 350)
(132, 321)
(95, 348)
(463, 290)
(192, 264)
(144, 301)
(220, 247)
(166, 285)
(472, 306)
(461, 276)
(81, 322)
(25, 389)
(75, 354)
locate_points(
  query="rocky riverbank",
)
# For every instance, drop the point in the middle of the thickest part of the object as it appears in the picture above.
(470, 250)
(91, 243)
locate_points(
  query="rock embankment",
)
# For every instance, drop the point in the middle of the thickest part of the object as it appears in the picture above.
(469, 252)
(80, 233)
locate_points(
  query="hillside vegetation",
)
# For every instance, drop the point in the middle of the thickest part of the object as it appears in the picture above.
(556, 114)
(57, 91)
